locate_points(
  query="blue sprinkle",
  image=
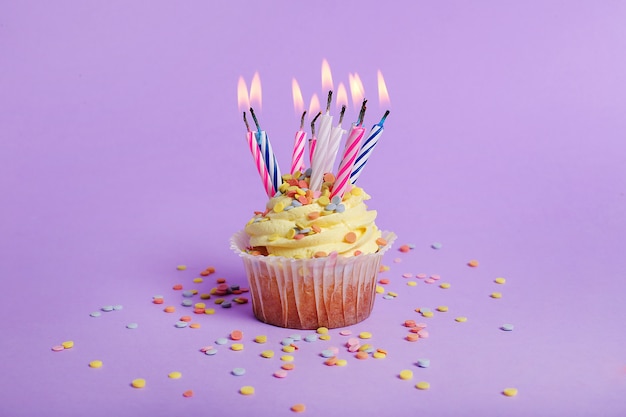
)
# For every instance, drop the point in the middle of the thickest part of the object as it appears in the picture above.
(411, 245)
(310, 338)
(425, 310)
(132, 325)
(330, 207)
(340, 208)
(436, 245)
(234, 287)
(187, 303)
(327, 353)
(117, 307)
(95, 314)
(388, 297)
(227, 304)
(335, 200)
(287, 341)
(370, 350)
(157, 296)
(107, 308)
(211, 352)
(507, 327)
(423, 363)
(188, 293)
(307, 173)
(305, 230)
(221, 341)
(181, 324)
(287, 208)
(238, 371)
(296, 203)
(296, 337)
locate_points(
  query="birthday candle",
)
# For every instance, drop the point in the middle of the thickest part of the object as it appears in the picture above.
(353, 143)
(268, 154)
(335, 140)
(367, 148)
(321, 148)
(313, 140)
(297, 157)
(258, 160)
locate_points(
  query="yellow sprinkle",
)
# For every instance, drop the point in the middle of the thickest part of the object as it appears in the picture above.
(444, 285)
(286, 177)
(181, 267)
(411, 283)
(356, 191)
(496, 295)
(406, 374)
(209, 311)
(138, 383)
(346, 195)
(288, 349)
(287, 358)
(219, 301)
(199, 305)
(273, 237)
(500, 280)
(261, 339)
(428, 314)
(510, 392)
(198, 280)
(246, 390)
(278, 207)
(461, 319)
(213, 291)
(379, 355)
(379, 289)
(95, 364)
(174, 375)
(194, 292)
(393, 294)
(385, 268)
(300, 191)
(250, 222)
(205, 296)
(365, 335)
(324, 337)
(323, 201)
(322, 330)
(267, 353)
(291, 233)
(365, 347)
(68, 345)
(236, 346)
(422, 385)
(341, 362)
(443, 309)
(283, 187)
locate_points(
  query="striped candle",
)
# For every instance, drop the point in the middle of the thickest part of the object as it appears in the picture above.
(270, 159)
(353, 144)
(297, 157)
(367, 148)
(260, 164)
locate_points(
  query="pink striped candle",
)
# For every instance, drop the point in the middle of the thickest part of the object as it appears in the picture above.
(260, 164)
(353, 144)
(297, 157)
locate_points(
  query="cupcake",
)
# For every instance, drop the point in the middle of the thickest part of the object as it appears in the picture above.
(312, 260)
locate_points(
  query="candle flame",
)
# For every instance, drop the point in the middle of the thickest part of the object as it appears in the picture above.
(298, 101)
(314, 106)
(243, 100)
(327, 78)
(342, 95)
(356, 89)
(383, 94)
(255, 91)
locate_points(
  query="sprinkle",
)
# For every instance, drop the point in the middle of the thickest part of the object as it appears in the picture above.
(177, 287)
(281, 373)
(496, 295)
(345, 332)
(138, 383)
(287, 358)
(95, 364)
(406, 374)
(436, 245)
(407, 275)
(226, 304)
(181, 324)
(288, 349)
(443, 309)
(57, 348)
(67, 345)
(236, 335)
(211, 352)
(260, 339)
(289, 366)
(95, 314)
(423, 363)
(107, 308)
(221, 341)
(379, 289)
(340, 208)
(365, 335)
(422, 385)
(361, 355)
(238, 371)
(236, 346)
(169, 309)
(423, 334)
(278, 207)
(267, 354)
(404, 248)
(444, 285)
(310, 338)
(313, 215)
(246, 390)
(429, 281)
(381, 242)
(411, 283)
(510, 392)
(286, 341)
(320, 254)
(461, 319)
(500, 280)
(132, 325)
(298, 408)
(379, 355)
(341, 362)
(506, 327)
(188, 393)
(412, 337)
(324, 337)
(350, 237)
(327, 353)
(186, 303)
(209, 311)
(174, 375)
(473, 263)
(205, 296)
(421, 275)
(322, 330)
(181, 267)
(428, 314)
(198, 280)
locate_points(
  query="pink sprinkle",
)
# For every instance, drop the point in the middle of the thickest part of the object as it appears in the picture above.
(421, 275)
(345, 332)
(352, 341)
(205, 348)
(317, 194)
(435, 277)
(397, 260)
(429, 281)
(281, 373)
(354, 348)
(421, 325)
(334, 349)
(407, 275)
(57, 348)
(423, 334)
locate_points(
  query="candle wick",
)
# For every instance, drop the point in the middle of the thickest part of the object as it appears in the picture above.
(359, 121)
(343, 112)
(256, 122)
(383, 118)
(313, 124)
(245, 120)
(302, 120)
(330, 99)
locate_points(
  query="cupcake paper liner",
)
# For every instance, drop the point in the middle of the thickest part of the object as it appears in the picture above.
(332, 291)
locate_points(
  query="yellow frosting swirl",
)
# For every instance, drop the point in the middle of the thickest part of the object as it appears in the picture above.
(301, 233)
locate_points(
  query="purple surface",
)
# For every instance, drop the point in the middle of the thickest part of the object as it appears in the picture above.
(123, 155)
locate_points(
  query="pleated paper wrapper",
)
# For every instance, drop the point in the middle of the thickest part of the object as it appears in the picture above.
(332, 291)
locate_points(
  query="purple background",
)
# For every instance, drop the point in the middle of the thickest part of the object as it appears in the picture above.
(122, 155)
